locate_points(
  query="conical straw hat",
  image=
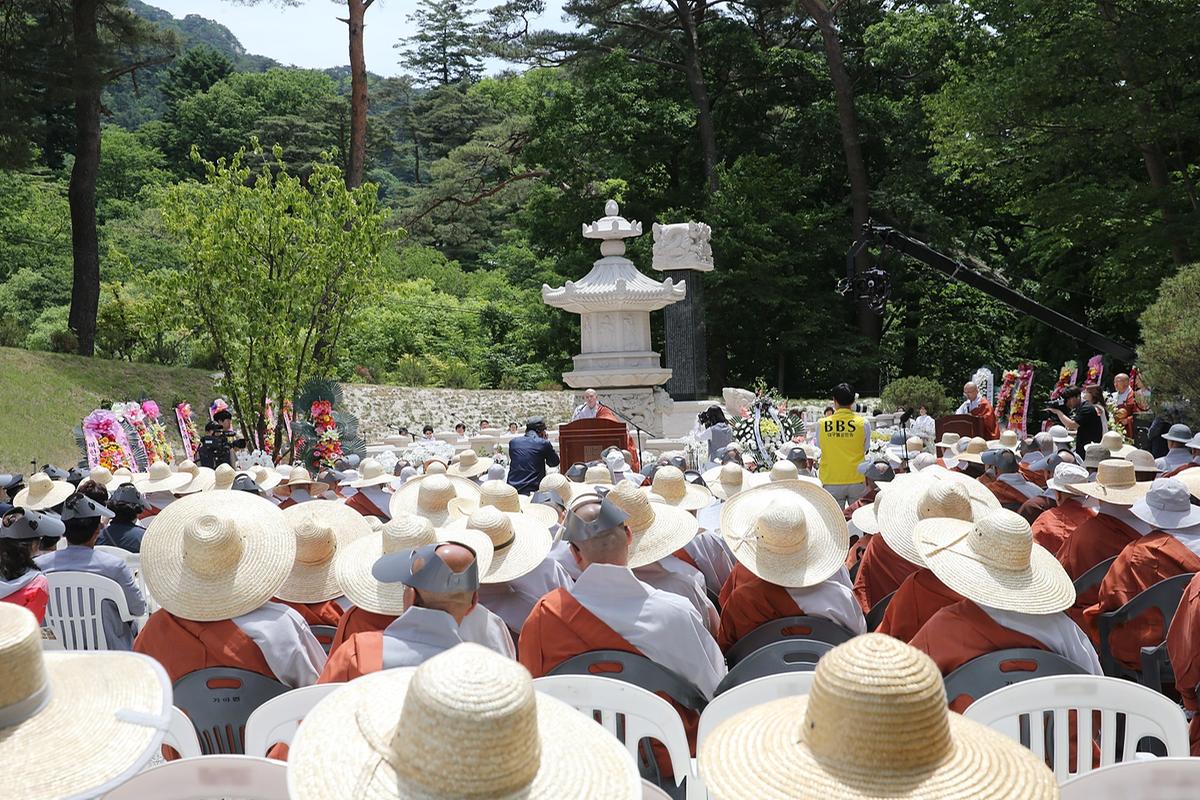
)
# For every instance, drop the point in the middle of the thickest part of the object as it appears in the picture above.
(1009, 440)
(875, 725)
(41, 493)
(321, 528)
(1114, 442)
(371, 473)
(658, 529)
(160, 478)
(223, 477)
(1116, 482)
(217, 555)
(429, 496)
(469, 465)
(202, 478)
(504, 497)
(566, 489)
(728, 479)
(976, 447)
(519, 542)
(354, 561)
(74, 724)
(790, 533)
(120, 477)
(672, 488)
(101, 476)
(908, 499)
(465, 724)
(995, 562)
(598, 475)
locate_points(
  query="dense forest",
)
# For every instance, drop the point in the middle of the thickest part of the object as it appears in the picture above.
(1053, 143)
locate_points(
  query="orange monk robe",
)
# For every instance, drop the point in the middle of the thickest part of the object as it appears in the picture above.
(880, 573)
(604, 412)
(1177, 470)
(1183, 645)
(752, 603)
(1009, 496)
(919, 597)
(1034, 507)
(1032, 475)
(326, 613)
(1097, 539)
(963, 631)
(855, 553)
(287, 503)
(358, 620)
(987, 414)
(359, 502)
(1152, 558)
(559, 627)
(867, 499)
(360, 654)
(1053, 527)
(737, 576)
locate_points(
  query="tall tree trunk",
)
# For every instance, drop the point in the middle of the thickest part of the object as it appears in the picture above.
(358, 92)
(699, 90)
(81, 194)
(869, 322)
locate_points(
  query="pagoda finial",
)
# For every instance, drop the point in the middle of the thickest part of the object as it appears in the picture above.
(611, 209)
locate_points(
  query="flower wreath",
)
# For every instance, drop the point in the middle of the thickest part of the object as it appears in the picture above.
(762, 432)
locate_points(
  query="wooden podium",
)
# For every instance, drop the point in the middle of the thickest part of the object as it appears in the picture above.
(964, 425)
(585, 439)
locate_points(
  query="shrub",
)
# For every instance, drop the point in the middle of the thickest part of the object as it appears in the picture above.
(46, 331)
(411, 371)
(458, 375)
(913, 392)
(1169, 356)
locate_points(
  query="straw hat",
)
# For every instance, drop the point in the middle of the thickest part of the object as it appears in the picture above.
(430, 495)
(223, 477)
(874, 725)
(994, 561)
(121, 476)
(519, 542)
(1093, 454)
(728, 479)
(217, 555)
(1191, 479)
(465, 724)
(1116, 483)
(353, 562)
(1009, 440)
(435, 467)
(1114, 442)
(469, 465)
(75, 724)
(371, 473)
(321, 528)
(267, 479)
(790, 533)
(672, 488)
(659, 529)
(948, 440)
(1068, 478)
(866, 517)
(160, 478)
(1143, 461)
(932, 493)
(598, 474)
(101, 476)
(975, 448)
(1167, 506)
(41, 492)
(202, 478)
(505, 498)
(299, 476)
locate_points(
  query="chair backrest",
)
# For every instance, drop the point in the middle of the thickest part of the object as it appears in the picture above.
(789, 655)
(240, 777)
(132, 560)
(637, 670)
(1126, 713)
(628, 712)
(875, 615)
(181, 735)
(50, 640)
(1093, 577)
(76, 607)
(1163, 596)
(981, 676)
(818, 628)
(751, 693)
(652, 792)
(276, 720)
(324, 635)
(219, 700)
(1160, 778)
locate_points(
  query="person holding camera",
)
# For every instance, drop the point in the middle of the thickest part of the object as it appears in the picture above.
(713, 427)
(529, 455)
(217, 445)
(1084, 420)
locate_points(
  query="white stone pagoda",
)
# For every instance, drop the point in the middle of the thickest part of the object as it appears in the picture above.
(614, 302)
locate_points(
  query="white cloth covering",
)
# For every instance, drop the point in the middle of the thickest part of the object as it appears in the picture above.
(301, 495)
(708, 550)
(561, 552)
(1057, 631)
(670, 574)
(483, 627)
(662, 625)
(288, 646)
(1018, 482)
(1123, 514)
(834, 600)
(513, 600)
(418, 635)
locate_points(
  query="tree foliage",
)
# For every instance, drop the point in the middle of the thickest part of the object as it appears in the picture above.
(446, 47)
(1170, 351)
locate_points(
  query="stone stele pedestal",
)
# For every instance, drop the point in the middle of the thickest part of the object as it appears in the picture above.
(682, 252)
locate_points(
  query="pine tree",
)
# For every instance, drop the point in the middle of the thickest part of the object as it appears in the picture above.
(446, 47)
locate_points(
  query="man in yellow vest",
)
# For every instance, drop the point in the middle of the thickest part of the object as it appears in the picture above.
(844, 438)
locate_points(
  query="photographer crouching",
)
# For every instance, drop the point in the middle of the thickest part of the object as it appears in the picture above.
(218, 445)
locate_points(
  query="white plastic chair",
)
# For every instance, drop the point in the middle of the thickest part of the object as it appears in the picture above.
(1160, 778)
(652, 792)
(134, 562)
(240, 777)
(276, 720)
(76, 607)
(1026, 704)
(50, 640)
(646, 715)
(181, 735)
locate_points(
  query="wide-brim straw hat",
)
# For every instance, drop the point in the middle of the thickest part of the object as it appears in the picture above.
(321, 528)
(300, 476)
(566, 489)
(100, 475)
(948, 440)
(909, 498)
(203, 478)
(161, 478)
(995, 562)
(120, 477)
(371, 473)
(1116, 483)
(672, 488)
(76, 724)
(1114, 442)
(354, 562)
(223, 477)
(267, 479)
(727, 480)
(1009, 440)
(1191, 479)
(974, 451)
(468, 464)
(659, 529)
(520, 543)
(217, 555)
(429, 496)
(866, 517)
(465, 724)
(598, 475)
(1143, 461)
(504, 497)
(791, 533)
(874, 725)
(41, 493)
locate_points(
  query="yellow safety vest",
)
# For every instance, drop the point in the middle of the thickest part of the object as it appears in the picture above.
(841, 441)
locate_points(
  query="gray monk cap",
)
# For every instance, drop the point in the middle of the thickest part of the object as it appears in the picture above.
(433, 576)
(575, 529)
(21, 523)
(80, 506)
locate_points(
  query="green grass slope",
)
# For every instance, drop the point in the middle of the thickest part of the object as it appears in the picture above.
(44, 396)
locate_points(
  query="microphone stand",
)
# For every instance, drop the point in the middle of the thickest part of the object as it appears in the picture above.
(636, 427)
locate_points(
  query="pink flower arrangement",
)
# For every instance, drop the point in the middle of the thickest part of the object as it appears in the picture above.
(150, 409)
(187, 430)
(328, 448)
(107, 445)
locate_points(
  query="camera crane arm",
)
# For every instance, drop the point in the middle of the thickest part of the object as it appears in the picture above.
(900, 242)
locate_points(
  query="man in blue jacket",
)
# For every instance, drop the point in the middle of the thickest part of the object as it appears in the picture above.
(529, 455)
